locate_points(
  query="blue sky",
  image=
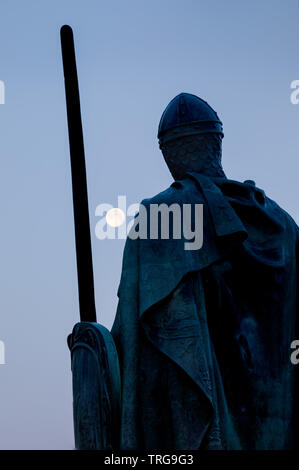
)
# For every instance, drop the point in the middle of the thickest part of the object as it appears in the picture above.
(133, 57)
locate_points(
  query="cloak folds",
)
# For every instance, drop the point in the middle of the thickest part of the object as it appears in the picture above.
(203, 336)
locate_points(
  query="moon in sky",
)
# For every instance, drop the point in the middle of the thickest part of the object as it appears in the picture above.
(115, 217)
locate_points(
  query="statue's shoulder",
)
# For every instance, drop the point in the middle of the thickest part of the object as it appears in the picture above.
(256, 208)
(283, 214)
(180, 191)
(290, 227)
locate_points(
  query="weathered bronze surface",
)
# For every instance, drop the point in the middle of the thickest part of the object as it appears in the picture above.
(204, 336)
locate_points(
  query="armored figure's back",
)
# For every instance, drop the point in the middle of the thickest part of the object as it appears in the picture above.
(204, 336)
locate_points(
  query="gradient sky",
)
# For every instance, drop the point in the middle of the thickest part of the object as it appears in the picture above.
(133, 57)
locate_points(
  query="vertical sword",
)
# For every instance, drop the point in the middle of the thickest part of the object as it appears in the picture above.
(78, 168)
(95, 366)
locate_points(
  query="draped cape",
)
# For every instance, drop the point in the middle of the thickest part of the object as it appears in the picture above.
(203, 336)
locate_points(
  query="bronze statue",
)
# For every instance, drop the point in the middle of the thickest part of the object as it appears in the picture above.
(203, 336)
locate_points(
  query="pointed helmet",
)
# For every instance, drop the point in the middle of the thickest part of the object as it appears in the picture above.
(188, 114)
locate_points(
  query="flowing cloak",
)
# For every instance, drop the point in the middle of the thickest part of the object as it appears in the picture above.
(204, 336)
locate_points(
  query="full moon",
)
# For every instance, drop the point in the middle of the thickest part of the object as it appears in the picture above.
(115, 217)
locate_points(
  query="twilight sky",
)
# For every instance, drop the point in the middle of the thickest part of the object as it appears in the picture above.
(133, 57)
